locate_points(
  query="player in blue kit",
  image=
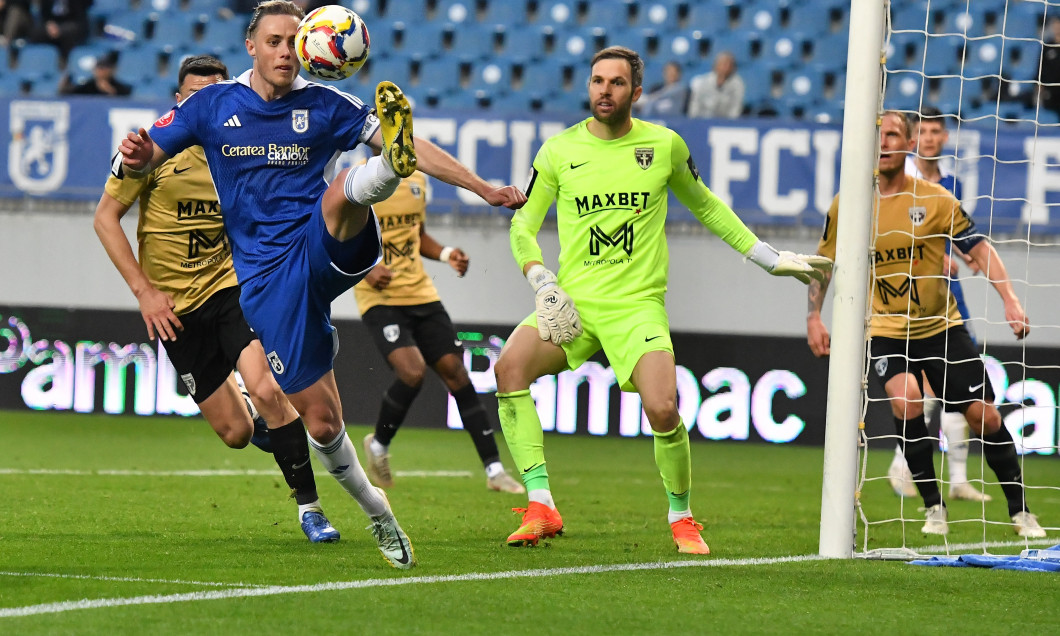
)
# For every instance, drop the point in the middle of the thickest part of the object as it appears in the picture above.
(298, 242)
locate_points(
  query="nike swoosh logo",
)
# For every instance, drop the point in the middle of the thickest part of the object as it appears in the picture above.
(575, 167)
(404, 554)
(647, 339)
(975, 388)
(176, 171)
(302, 465)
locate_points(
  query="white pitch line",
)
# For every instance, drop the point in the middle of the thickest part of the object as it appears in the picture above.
(154, 599)
(127, 579)
(958, 547)
(250, 472)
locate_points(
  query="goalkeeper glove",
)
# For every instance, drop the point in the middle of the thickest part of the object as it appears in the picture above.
(802, 266)
(557, 318)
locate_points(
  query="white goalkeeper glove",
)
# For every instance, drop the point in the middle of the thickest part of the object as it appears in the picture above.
(557, 318)
(802, 266)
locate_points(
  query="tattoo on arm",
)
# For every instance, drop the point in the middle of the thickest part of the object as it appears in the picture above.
(815, 293)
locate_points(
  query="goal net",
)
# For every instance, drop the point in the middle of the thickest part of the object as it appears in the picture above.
(988, 73)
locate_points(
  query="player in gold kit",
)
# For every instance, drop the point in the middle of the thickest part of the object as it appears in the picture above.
(402, 310)
(186, 286)
(916, 329)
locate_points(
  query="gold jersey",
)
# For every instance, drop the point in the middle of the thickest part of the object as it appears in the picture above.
(910, 292)
(401, 218)
(182, 243)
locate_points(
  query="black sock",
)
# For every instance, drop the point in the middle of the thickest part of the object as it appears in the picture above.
(396, 402)
(919, 454)
(290, 449)
(1000, 453)
(260, 438)
(476, 424)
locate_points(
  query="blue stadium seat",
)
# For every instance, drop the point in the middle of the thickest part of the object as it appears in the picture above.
(236, 61)
(129, 25)
(395, 69)
(806, 83)
(637, 38)
(1023, 20)
(490, 76)
(43, 86)
(912, 17)
(441, 75)
(10, 85)
(545, 77)
(609, 15)
(424, 38)
(942, 54)
(905, 90)
(761, 16)
(513, 102)
(710, 17)
(471, 41)
(464, 100)
(510, 13)
(225, 33)
(557, 12)
(970, 19)
(175, 29)
(983, 57)
(680, 47)
(954, 92)
(784, 46)
(155, 88)
(455, 11)
(82, 60)
(38, 59)
(573, 102)
(138, 63)
(809, 18)
(908, 49)
(661, 15)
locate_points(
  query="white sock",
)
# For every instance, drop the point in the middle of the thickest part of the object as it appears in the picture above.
(340, 459)
(542, 496)
(494, 469)
(377, 449)
(370, 183)
(955, 428)
(304, 508)
(677, 515)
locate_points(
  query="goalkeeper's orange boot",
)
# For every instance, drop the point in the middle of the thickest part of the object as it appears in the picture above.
(687, 537)
(539, 522)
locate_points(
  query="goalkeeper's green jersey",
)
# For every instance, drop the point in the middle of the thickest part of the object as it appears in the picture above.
(611, 200)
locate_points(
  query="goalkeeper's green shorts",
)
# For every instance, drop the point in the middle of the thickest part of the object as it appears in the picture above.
(625, 330)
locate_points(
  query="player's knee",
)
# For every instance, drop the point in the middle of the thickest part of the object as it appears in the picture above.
(236, 436)
(411, 375)
(906, 409)
(509, 375)
(983, 418)
(662, 413)
(452, 372)
(323, 421)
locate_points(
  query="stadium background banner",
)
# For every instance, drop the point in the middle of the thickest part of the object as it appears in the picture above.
(776, 172)
(733, 388)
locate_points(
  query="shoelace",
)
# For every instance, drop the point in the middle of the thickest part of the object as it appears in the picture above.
(384, 537)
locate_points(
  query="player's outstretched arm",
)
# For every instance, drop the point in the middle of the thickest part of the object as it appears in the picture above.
(804, 267)
(989, 261)
(557, 318)
(816, 332)
(439, 164)
(156, 307)
(140, 155)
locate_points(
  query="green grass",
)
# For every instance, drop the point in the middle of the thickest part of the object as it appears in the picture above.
(164, 535)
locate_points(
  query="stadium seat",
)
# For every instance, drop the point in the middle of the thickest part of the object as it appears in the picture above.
(514, 102)
(225, 33)
(138, 63)
(369, 10)
(175, 29)
(1024, 20)
(641, 40)
(471, 41)
(710, 17)
(510, 13)
(236, 61)
(609, 15)
(155, 88)
(490, 76)
(943, 54)
(983, 57)
(43, 85)
(810, 18)
(912, 17)
(38, 59)
(130, 26)
(557, 12)
(468, 100)
(545, 77)
(904, 90)
(907, 50)
(806, 83)
(81, 60)
(10, 84)
(441, 75)
(573, 103)
(831, 50)
(681, 47)
(657, 14)
(970, 19)
(393, 68)
(425, 38)
(761, 16)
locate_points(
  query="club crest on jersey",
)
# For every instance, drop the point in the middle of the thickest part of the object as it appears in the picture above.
(917, 214)
(166, 119)
(644, 157)
(414, 188)
(275, 362)
(391, 333)
(300, 120)
(881, 367)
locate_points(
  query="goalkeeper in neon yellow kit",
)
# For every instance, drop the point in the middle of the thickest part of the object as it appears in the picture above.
(609, 177)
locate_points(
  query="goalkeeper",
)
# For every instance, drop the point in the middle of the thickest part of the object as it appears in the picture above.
(609, 177)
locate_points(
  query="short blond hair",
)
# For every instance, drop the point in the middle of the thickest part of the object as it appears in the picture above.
(272, 7)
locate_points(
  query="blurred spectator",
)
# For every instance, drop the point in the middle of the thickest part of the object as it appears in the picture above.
(64, 23)
(16, 21)
(718, 93)
(668, 98)
(1049, 96)
(102, 82)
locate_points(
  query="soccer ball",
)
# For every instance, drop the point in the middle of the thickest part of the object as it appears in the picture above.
(332, 42)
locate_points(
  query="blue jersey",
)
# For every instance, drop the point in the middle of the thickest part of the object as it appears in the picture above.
(268, 160)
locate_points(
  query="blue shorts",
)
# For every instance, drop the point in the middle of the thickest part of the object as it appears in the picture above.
(290, 307)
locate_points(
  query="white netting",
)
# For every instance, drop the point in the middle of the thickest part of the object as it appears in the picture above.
(988, 66)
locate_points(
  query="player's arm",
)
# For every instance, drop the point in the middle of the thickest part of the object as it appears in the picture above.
(557, 318)
(156, 307)
(140, 155)
(989, 261)
(816, 332)
(719, 218)
(967, 240)
(439, 164)
(452, 256)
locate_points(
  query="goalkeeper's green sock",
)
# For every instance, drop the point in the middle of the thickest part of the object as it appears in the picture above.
(522, 432)
(674, 459)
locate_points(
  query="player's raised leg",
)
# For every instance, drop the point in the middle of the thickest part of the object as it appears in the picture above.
(655, 378)
(395, 118)
(525, 358)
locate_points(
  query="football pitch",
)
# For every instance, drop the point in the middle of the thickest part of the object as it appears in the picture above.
(115, 524)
